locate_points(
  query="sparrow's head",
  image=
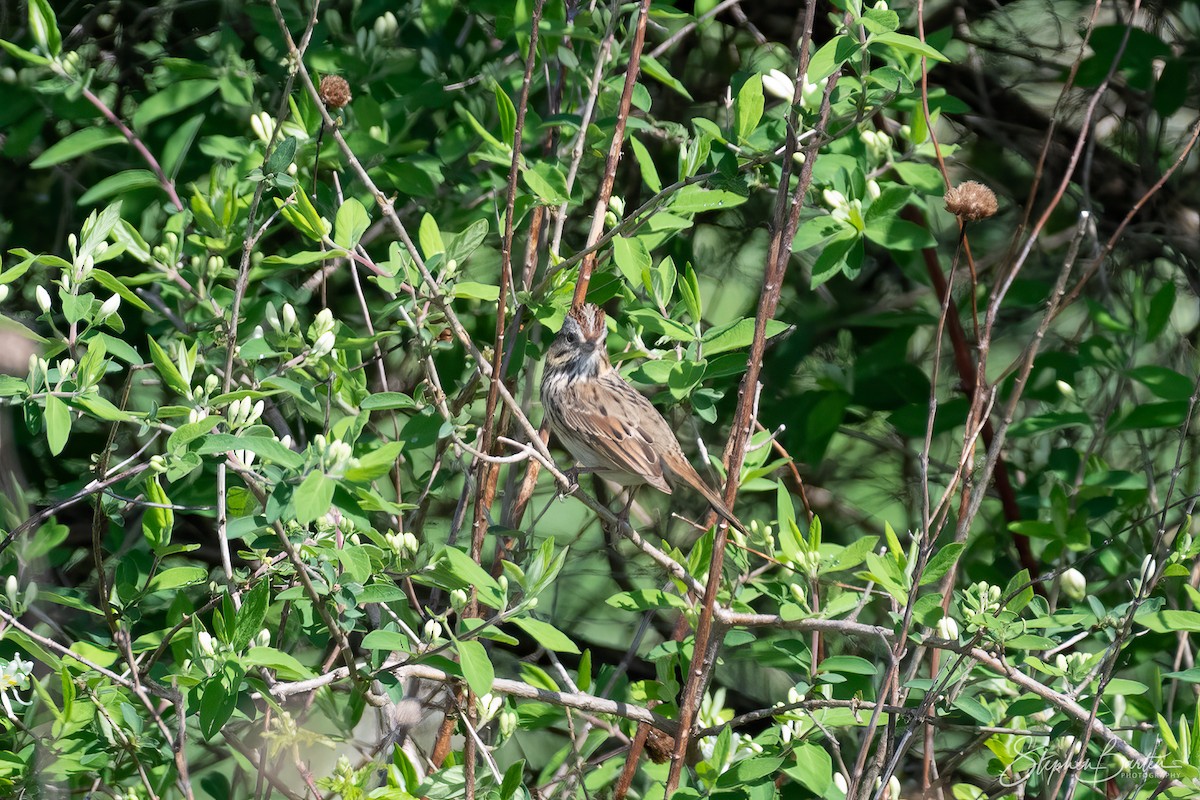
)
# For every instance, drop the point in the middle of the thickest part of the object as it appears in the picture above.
(579, 347)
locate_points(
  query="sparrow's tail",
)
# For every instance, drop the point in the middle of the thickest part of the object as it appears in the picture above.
(715, 500)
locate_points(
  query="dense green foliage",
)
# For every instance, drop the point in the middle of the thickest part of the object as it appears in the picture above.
(265, 517)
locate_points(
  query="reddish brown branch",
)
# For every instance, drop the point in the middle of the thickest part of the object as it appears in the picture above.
(614, 152)
(785, 219)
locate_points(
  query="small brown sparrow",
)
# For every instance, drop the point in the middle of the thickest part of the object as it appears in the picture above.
(606, 424)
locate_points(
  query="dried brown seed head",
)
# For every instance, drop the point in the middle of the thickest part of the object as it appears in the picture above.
(335, 91)
(971, 201)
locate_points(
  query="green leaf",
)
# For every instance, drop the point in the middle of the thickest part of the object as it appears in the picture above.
(314, 497)
(429, 237)
(114, 285)
(77, 144)
(476, 667)
(286, 667)
(386, 640)
(546, 635)
(175, 97)
(468, 241)
(251, 615)
(508, 114)
(830, 56)
(646, 165)
(58, 424)
(749, 107)
(905, 44)
(922, 177)
(1149, 415)
(375, 464)
(44, 27)
(941, 562)
(1165, 383)
(849, 665)
(386, 400)
(176, 578)
(737, 335)
(631, 257)
(1169, 621)
(219, 699)
(646, 600)
(898, 234)
(157, 522)
(122, 183)
(190, 431)
(23, 54)
(813, 769)
(473, 290)
(658, 72)
(350, 224)
(166, 368)
(879, 21)
(464, 568)
(695, 199)
(749, 772)
(547, 182)
(264, 447)
(281, 157)
(179, 144)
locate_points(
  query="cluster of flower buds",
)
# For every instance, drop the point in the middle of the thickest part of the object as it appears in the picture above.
(281, 323)
(38, 372)
(404, 545)
(334, 455)
(983, 598)
(168, 252)
(848, 211)
(432, 630)
(1074, 666)
(386, 26)
(242, 414)
(320, 333)
(947, 628)
(200, 396)
(488, 706)
(878, 144)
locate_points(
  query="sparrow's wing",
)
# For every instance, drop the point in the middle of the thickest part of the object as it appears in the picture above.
(672, 464)
(620, 427)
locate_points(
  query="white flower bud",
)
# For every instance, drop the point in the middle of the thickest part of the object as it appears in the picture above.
(894, 788)
(508, 723)
(1067, 389)
(873, 190)
(289, 317)
(323, 346)
(1073, 584)
(839, 780)
(433, 629)
(10, 590)
(272, 317)
(109, 307)
(834, 199)
(43, 298)
(947, 628)
(66, 367)
(263, 639)
(777, 84)
(204, 642)
(3, 292)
